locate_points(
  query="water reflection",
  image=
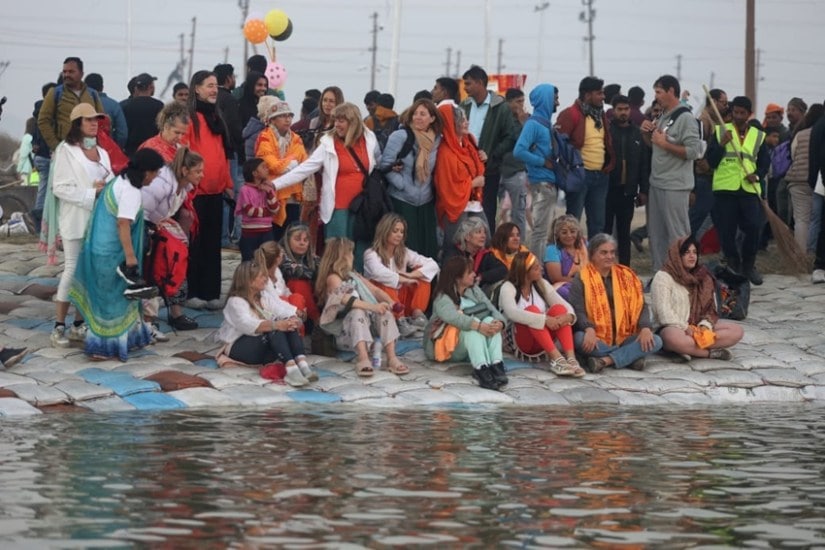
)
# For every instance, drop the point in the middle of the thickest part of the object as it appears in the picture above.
(449, 478)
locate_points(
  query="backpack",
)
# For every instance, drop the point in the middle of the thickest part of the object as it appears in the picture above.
(382, 131)
(733, 292)
(781, 159)
(567, 160)
(167, 262)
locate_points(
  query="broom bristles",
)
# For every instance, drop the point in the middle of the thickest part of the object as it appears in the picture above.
(795, 258)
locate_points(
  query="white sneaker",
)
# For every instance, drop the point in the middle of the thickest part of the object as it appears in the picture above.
(157, 335)
(294, 377)
(215, 304)
(78, 333)
(818, 276)
(195, 303)
(307, 371)
(58, 337)
(406, 328)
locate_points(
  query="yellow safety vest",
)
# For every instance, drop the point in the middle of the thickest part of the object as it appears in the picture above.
(731, 174)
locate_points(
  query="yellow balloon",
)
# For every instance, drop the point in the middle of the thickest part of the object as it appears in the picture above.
(276, 22)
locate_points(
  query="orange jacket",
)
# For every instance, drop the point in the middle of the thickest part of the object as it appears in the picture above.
(216, 178)
(267, 148)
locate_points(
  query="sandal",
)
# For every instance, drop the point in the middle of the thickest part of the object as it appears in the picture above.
(364, 369)
(578, 371)
(560, 367)
(397, 367)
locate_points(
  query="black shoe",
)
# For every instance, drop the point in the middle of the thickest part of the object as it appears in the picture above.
(637, 242)
(638, 364)
(130, 274)
(140, 292)
(10, 356)
(183, 322)
(499, 373)
(485, 378)
(753, 276)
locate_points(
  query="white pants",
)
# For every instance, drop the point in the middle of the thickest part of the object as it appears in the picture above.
(71, 251)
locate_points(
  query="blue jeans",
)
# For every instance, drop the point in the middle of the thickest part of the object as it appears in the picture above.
(231, 224)
(622, 355)
(816, 220)
(592, 200)
(702, 204)
(516, 187)
(41, 164)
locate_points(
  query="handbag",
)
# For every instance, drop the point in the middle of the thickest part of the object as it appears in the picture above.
(445, 344)
(370, 205)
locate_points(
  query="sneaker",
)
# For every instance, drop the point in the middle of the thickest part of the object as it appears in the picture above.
(406, 328)
(638, 364)
(10, 356)
(157, 335)
(484, 377)
(500, 374)
(215, 304)
(58, 337)
(78, 333)
(294, 377)
(818, 276)
(307, 371)
(130, 274)
(721, 354)
(596, 364)
(142, 291)
(195, 303)
(183, 322)
(753, 276)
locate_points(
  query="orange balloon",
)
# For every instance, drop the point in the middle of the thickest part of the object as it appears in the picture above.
(255, 31)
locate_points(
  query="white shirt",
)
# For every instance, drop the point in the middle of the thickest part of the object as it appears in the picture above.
(375, 270)
(128, 199)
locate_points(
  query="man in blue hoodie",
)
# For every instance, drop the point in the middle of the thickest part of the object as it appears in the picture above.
(535, 149)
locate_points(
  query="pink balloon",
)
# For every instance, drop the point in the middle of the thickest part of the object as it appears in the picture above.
(276, 74)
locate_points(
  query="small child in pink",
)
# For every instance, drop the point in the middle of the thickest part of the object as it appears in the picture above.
(256, 203)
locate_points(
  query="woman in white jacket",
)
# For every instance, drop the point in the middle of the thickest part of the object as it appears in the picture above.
(539, 315)
(342, 178)
(80, 170)
(402, 273)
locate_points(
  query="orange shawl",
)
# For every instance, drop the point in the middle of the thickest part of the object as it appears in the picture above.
(507, 259)
(267, 148)
(628, 301)
(457, 164)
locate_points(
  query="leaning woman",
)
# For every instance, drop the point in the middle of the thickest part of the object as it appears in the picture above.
(683, 296)
(465, 325)
(613, 327)
(108, 269)
(81, 169)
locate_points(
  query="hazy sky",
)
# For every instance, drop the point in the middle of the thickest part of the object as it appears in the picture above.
(636, 41)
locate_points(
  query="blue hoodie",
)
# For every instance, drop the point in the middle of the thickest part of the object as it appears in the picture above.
(534, 144)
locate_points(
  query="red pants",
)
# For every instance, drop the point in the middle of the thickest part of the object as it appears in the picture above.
(414, 297)
(302, 289)
(534, 340)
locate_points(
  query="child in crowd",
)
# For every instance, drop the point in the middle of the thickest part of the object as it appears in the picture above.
(256, 203)
(270, 256)
(254, 335)
(300, 265)
(355, 310)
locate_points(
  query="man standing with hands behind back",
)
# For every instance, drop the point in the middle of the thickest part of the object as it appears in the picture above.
(675, 140)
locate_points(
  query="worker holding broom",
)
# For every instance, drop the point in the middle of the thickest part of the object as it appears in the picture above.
(740, 159)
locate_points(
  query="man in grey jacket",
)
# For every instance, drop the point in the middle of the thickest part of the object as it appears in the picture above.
(676, 143)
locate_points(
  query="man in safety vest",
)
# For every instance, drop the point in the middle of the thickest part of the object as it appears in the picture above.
(740, 160)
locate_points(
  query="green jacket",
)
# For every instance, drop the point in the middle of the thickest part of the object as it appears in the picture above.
(445, 311)
(53, 120)
(499, 133)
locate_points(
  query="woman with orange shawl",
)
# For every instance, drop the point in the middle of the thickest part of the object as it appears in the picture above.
(506, 243)
(683, 297)
(612, 320)
(458, 176)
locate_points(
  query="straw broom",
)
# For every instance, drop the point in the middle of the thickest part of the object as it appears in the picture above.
(789, 249)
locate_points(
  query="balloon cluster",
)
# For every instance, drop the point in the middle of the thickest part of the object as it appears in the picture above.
(277, 26)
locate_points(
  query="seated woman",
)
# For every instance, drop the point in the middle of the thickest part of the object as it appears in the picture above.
(355, 310)
(567, 255)
(612, 319)
(460, 303)
(468, 242)
(539, 315)
(300, 265)
(270, 256)
(506, 243)
(255, 335)
(683, 297)
(400, 272)
(107, 283)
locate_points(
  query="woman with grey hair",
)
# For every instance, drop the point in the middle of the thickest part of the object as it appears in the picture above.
(613, 324)
(469, 241)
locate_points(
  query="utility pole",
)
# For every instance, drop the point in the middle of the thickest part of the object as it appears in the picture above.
(712, 79)
(679, 67)
(226, 54)
(758, 76)
(750, 32)
(244, 5)
(457, 63)
(374, 49)
(192, 47)
(448, 65)
(540, 8)
(488, 15)
(499, 66)
(396, 45)
(587, 16)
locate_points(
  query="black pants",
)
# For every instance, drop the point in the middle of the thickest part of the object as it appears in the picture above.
(267, 348)
(489, 199)
(620, 208)
(204, 274)
(738, 211)
(293, 214)
(250, 242)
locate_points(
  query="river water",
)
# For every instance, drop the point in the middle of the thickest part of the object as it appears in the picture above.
(449, 478)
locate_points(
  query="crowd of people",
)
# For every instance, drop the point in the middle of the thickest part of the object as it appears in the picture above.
(123, 183)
